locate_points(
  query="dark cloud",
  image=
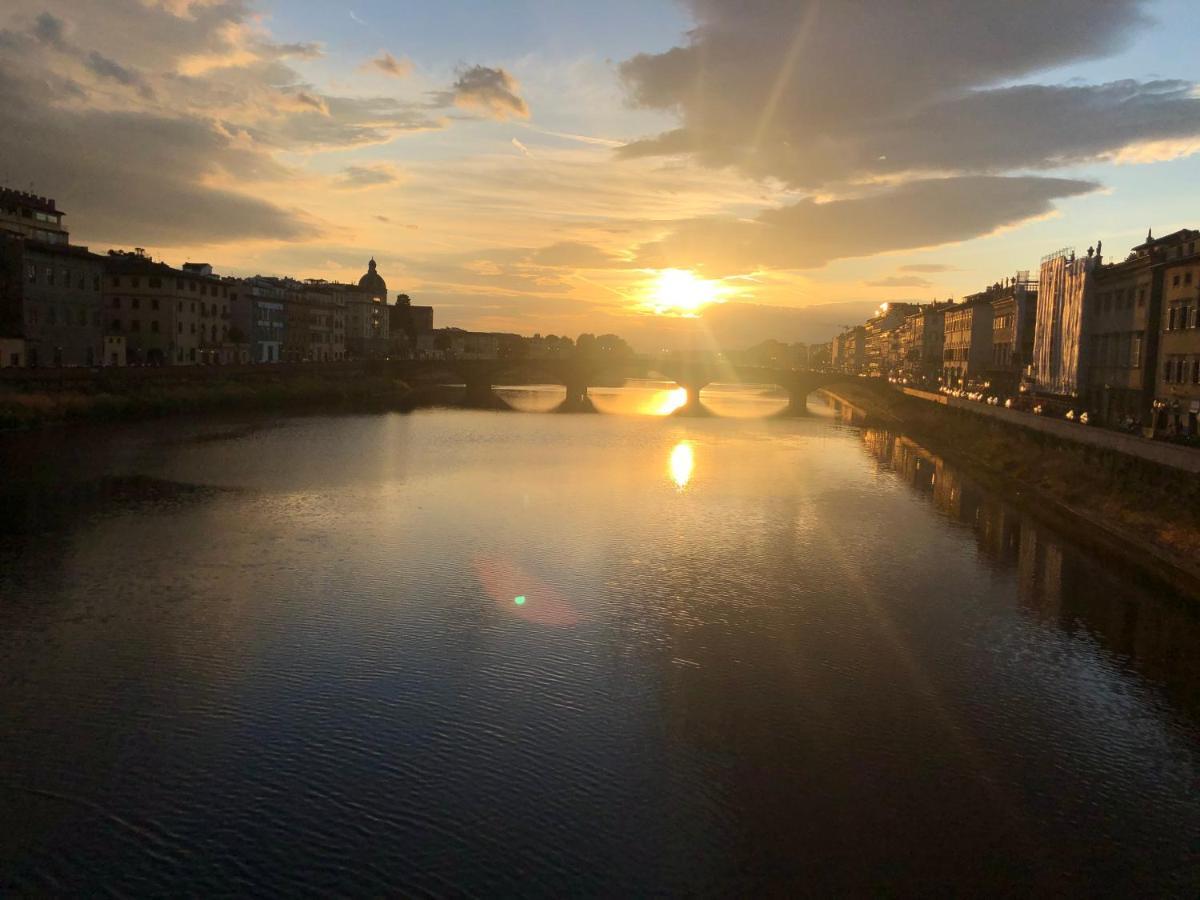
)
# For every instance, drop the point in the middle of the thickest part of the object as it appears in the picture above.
(389, 65)
(131, 177)
(104, 67)
(494, 92)
(809, 234)
(820, 94)
(50, 30)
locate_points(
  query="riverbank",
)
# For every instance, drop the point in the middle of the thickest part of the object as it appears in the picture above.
(1147, 514)
(130, 399)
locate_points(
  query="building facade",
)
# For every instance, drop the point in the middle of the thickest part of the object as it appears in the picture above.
(167, 316)
(257, 307)
(1014, 317)
(368, 319)
(31, 217)
(1122, 338)
(967, 341)
(1065, 288)
(50, 302)
(1177, 388)
(881, 338)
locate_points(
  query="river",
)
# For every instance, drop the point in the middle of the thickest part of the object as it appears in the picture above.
(485, 653)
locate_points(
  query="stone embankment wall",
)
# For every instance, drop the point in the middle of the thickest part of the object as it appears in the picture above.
(1183, 458)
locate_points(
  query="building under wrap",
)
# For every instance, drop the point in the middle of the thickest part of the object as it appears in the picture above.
(1064, 291)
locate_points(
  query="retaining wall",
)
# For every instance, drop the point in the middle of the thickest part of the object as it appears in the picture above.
(1184, 458)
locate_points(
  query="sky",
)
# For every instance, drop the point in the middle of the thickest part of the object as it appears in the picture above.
(724, 170)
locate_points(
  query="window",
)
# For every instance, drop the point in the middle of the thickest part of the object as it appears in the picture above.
(134, 281)
(193, 328)
(1196, 371)
(179, 284)
(1135, 351)
(179, 328)
(114, 325)
(1141, 296)
(155, 282)
(116, 302)
(49, 274)
(135, 303)
(135, 325)
(192, 354)
(66, 277)
(53, 317)
(1175, 281)
(154, 326)
(116, 281)
(154, 303)
(31, 273)
(96, 283)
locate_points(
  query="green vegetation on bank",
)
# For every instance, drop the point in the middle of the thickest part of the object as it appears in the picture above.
(25, 408)
(1154, 511)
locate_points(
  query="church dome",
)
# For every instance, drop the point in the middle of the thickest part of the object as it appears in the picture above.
(372, 283)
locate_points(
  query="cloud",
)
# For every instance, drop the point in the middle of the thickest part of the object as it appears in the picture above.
(821, 94)
(808, 234)
(494, 92)
(389, 65)
(50, 30)
(106, 68)
(376, 175)
(146, 178)
(893, 281)
(926, 267)
(522, 148)
(575, 255)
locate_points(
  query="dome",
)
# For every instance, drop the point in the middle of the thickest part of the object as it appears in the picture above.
(372, 283)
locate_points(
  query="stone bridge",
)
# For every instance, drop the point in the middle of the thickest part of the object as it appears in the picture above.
(577, 375)
(695, 376)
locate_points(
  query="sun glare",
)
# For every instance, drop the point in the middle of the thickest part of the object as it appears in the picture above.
(683, 462)
(682, 293)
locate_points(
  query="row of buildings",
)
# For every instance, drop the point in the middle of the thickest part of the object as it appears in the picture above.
(61, 305)
(1119, 340)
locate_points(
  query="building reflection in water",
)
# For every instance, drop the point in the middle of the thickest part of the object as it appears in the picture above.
(1057, 583)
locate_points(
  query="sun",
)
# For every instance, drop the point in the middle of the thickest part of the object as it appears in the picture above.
(681, 292)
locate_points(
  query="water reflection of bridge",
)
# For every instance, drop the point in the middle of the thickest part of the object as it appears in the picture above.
(480, 376)
(1056, 582)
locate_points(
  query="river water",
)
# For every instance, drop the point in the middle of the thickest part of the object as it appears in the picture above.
(481, 653)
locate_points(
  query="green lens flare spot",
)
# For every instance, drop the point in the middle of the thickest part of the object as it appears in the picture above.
(520, 601)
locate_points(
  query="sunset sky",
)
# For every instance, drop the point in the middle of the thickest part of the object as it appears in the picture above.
(536, 165)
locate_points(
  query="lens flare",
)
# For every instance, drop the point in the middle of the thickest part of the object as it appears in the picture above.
(682, 464)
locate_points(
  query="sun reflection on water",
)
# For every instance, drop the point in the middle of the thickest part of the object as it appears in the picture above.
(683, 461)
(666, 402)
